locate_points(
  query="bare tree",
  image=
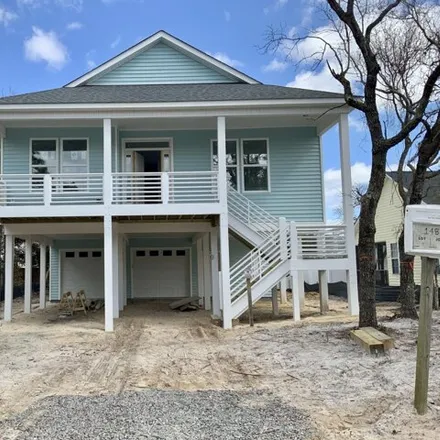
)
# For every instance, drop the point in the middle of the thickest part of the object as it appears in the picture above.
(357, 192)
(351, 45)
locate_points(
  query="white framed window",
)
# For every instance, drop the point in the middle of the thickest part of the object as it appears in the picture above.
(255, 165)
(44, 156)
(74, 156)
(231, 160)
(394, 258)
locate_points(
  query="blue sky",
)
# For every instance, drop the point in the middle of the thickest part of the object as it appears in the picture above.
(47, 43)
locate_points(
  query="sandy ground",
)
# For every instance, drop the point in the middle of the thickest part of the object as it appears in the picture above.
(312, 365)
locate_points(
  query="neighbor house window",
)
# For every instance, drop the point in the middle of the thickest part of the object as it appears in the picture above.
(74, 156)
(44, 156)
(231, 160)
(395, 258)
(255, 165)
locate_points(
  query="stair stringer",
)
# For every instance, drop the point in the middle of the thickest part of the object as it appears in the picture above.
(240, 305)
(252, 237)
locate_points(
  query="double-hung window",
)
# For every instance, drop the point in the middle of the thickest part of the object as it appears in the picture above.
(255, 162)
(394, 258)
(231, 161)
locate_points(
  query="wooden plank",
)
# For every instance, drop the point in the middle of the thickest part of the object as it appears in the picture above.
(387, 341)
(370, 344)
(424, 337)
(181, 302)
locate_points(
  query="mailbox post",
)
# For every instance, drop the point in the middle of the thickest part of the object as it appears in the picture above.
(422, 238)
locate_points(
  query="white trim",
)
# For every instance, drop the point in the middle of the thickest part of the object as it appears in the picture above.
(170, 148)
(185, 247)
(156, 38)
(302, 104)
(244, 191)
(2, 156)
(237, 152)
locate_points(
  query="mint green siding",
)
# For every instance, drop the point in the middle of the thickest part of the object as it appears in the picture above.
(16, 146)
(162, 64)
(294, 163)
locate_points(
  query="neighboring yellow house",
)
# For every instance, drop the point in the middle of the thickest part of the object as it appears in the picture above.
(389, 221)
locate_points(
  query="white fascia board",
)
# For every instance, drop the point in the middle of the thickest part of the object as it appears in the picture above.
(145, 44)
(325, 103)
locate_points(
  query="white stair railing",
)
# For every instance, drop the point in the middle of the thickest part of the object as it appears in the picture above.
(259, 262)
(252, 215)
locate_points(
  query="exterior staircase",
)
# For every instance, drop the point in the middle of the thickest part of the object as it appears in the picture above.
(269, 260)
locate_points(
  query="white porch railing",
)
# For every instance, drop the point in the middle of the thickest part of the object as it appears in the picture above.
(259, 262)
(321, 241)
(22, 190)
(73, 189)
(252, 215)
(171, 187)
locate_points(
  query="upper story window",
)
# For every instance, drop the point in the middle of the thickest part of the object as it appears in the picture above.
(231, 160)
(74, 156)
(255, 160)
(44, 156)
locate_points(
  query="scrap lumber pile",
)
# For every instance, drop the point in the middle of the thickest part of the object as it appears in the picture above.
(189, 304)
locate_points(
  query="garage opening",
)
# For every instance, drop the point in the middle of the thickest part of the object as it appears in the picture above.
(83, 269)
(161, 273)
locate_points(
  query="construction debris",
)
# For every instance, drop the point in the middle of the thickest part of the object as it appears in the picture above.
(372, 340)
(191, 300)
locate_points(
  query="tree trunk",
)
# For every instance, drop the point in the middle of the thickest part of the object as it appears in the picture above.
(407, 286)
(367, 232)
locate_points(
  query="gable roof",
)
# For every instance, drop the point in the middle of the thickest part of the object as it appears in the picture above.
(431, 188)
(128, 94)
(170, 40)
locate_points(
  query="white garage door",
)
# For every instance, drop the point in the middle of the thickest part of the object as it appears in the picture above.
(83, 270)
(161, 273)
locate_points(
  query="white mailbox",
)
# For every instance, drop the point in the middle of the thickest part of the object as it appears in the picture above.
(422, 230)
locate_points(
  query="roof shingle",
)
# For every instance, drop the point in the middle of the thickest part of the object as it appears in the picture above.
(131, 94)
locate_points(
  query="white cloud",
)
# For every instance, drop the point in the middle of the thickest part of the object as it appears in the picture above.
(46, 47)
(77, 5)
(90, 62)
(6, 16)
(227, 16)
(224, 58)
(276, 66)
(266, 11)
(357, 123)
(115, 42)
(280, 4)
(360, 175)
(313, 80)
(75, 25)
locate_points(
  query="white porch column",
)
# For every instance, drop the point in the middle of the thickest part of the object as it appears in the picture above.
(115, 264)
(224, 227)
(121, 264)
(43, 249)
(9, 276)
(108, 272)
(125, 283)
(200, 273)
(221, 152)
(347, 203)
(323, 290)
(215, 274)
(207, 272)
(224, 261)
(283, 244)
(27, 275)
(302, 295)
(294, 274)
(107, 147)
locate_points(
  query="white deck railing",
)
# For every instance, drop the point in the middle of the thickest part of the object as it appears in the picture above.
(252, 215)
(321, 241)
(171, 187)
(73, 189)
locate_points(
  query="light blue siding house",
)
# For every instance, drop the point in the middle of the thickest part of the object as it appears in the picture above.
(164, 173)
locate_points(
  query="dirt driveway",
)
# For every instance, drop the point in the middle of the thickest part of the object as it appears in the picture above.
(312, 366)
